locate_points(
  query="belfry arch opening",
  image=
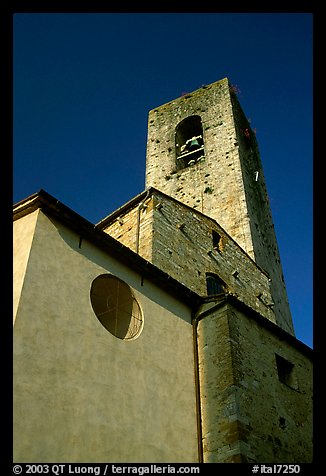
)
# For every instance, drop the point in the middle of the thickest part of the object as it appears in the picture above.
(189, 143)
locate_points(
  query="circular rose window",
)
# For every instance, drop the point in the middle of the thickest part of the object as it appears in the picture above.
(116, 307)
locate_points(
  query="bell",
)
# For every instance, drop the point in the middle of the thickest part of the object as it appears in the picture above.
(194, 144)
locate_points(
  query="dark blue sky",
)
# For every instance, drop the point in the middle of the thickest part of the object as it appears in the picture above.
(84, 83)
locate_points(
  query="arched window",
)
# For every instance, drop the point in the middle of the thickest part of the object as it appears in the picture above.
(214, 284)
(189, 143)
(116, 307)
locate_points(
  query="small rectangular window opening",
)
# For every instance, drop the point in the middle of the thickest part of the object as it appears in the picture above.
(286, 373)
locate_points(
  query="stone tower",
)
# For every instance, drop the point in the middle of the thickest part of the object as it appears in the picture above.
(204, 220)
(162, 333)
(202, 151)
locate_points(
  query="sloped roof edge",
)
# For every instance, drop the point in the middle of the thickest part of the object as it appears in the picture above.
(150, 191)
(56, 209)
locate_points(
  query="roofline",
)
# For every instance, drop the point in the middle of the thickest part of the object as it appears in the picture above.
(125, 207)
(87, 230)
(151, 190)
(183, 95)
(271, 326)
(56, 209)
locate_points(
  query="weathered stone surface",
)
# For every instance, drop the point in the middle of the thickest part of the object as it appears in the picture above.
(179, 241)
(228, 185)
(247, 412)
(214, 377)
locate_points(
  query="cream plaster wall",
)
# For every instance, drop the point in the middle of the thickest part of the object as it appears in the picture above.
(83, 395)
(22, 240)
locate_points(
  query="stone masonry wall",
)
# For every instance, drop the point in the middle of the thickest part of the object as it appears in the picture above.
(261, 223)
(206, 185)
(133, 228)
(248, 413)
(228, 184)
(179, 241)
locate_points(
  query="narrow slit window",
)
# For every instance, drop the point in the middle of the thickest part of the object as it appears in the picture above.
(217, 240)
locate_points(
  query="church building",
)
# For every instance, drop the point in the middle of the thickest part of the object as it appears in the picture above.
(163, 333)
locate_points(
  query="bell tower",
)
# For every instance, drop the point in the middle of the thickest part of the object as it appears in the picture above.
(202, 151)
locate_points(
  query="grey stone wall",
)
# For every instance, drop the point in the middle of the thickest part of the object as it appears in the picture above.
(248, 413)
(228, 184)
(179, 241)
